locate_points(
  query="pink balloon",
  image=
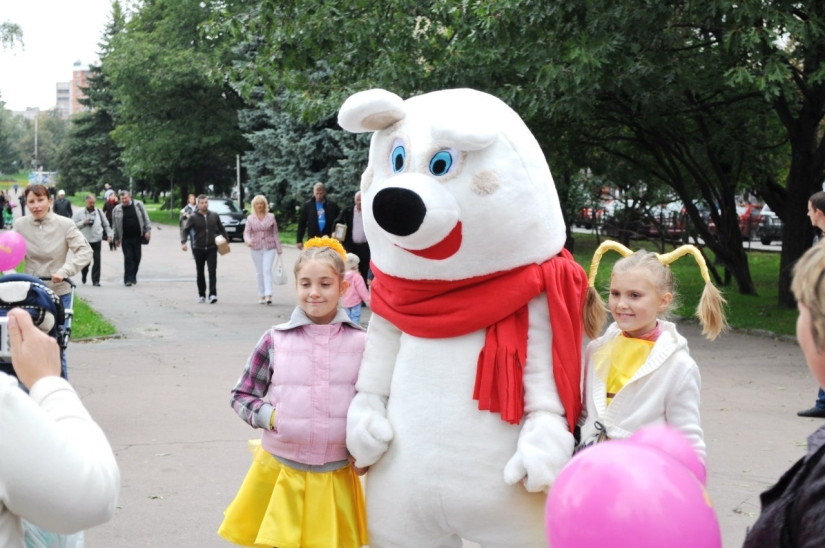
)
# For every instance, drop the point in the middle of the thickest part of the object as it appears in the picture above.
(674, 443)
(12, 249)
(625, 494)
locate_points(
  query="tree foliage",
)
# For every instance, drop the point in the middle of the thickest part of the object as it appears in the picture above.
(173, 120)
(602, 84)
(289, 156)
(89, 157)
(10, 34)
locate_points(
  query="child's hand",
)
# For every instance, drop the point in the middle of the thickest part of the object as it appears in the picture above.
(359, 471)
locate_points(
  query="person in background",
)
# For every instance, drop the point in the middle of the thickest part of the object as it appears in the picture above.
(131, 225)
(356, 289)
(317, 216)
(207, 225)
(94, 227)
(49, 238)
(793, 509)
(108, 191)
(816, 213)
(355, 240)
(62, 206)
(261, 235)
(108, 208)
(190, 208)
(57, 469)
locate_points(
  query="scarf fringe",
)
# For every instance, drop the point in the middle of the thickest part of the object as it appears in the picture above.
(499, 384)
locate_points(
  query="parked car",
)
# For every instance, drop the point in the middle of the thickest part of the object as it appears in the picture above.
(232, 217)
(770, 228)
(748, 216)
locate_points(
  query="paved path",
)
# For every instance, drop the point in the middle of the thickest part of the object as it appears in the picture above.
(161, 395)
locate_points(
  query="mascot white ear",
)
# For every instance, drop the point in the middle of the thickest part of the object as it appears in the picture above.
(371, 110)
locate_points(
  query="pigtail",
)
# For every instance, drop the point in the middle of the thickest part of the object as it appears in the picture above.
(595, 313)
(711, 312)
(711, 309)
(595, 309)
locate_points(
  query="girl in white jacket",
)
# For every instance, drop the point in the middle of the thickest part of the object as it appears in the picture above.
(640, 372)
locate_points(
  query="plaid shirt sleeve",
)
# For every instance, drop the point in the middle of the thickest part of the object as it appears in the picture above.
(248, 394)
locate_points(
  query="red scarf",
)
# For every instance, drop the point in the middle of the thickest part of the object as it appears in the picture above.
(498, 302)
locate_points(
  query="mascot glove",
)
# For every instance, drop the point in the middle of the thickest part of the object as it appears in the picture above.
(368, 430)
(545, 445)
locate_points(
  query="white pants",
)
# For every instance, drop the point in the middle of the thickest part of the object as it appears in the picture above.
(263, 260)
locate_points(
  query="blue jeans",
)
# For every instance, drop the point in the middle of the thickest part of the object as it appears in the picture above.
(67, 303)
(354, 313)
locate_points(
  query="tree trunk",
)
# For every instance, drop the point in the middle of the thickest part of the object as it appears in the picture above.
(803, 181)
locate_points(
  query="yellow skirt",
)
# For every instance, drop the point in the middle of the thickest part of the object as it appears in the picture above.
(287, 508)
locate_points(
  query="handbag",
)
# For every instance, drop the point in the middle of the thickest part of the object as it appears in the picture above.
(143, 239)
(279, 277)
(39, 538)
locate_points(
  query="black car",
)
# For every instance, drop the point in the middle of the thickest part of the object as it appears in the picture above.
(232, 217)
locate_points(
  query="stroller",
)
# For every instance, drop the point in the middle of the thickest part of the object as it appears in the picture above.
(44, 306)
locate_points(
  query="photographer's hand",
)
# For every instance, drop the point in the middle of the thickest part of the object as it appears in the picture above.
(34, 354)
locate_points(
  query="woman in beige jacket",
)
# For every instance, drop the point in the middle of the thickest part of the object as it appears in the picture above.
(49, 238)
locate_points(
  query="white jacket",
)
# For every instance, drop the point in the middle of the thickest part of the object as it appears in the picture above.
(665, 390)
(56, 468)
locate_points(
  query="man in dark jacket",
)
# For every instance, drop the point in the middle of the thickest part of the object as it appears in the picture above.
(355, 241)
(130, 224)
(62, 206)
(207, 225)
(317, 216)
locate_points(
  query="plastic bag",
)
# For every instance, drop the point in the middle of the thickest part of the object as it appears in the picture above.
(38, 538)
(279, 277)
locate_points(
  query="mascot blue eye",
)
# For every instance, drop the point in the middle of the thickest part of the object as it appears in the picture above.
(441, 163)
(397, 158)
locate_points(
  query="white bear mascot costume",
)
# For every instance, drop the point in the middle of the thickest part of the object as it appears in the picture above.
(470, 384)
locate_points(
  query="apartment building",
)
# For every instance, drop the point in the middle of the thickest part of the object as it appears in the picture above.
(63, 103)
(79, 74)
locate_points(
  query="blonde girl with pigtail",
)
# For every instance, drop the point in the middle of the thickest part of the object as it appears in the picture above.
(640, 373)
(302, 489)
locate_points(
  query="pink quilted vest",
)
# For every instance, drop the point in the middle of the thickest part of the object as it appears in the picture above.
(312, 385)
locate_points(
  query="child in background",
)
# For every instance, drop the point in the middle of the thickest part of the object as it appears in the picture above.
(302, 490)
(640, 373)
(356, 289)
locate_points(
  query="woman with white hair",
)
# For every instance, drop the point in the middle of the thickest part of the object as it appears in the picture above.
(261, 235)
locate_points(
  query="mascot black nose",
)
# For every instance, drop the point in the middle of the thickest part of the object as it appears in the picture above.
(398, 211)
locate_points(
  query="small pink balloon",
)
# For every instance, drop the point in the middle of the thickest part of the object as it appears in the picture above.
(674, 443)
(625, 494)
(12, 249)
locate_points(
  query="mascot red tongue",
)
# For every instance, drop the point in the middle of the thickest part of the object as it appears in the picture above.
(469, 388)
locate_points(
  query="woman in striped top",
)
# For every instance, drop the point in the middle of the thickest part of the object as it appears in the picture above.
(261, 235)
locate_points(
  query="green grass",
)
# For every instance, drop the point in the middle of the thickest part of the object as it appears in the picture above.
(743, 311)
(86, 322)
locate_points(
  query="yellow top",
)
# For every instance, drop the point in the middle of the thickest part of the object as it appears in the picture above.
(618, 360)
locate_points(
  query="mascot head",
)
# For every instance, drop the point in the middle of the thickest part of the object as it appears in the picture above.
(456, 185)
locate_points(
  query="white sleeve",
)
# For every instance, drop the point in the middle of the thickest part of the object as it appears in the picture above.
(682, 408)
(57, 469)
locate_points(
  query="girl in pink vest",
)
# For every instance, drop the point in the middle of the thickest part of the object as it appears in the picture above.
(302, 490)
